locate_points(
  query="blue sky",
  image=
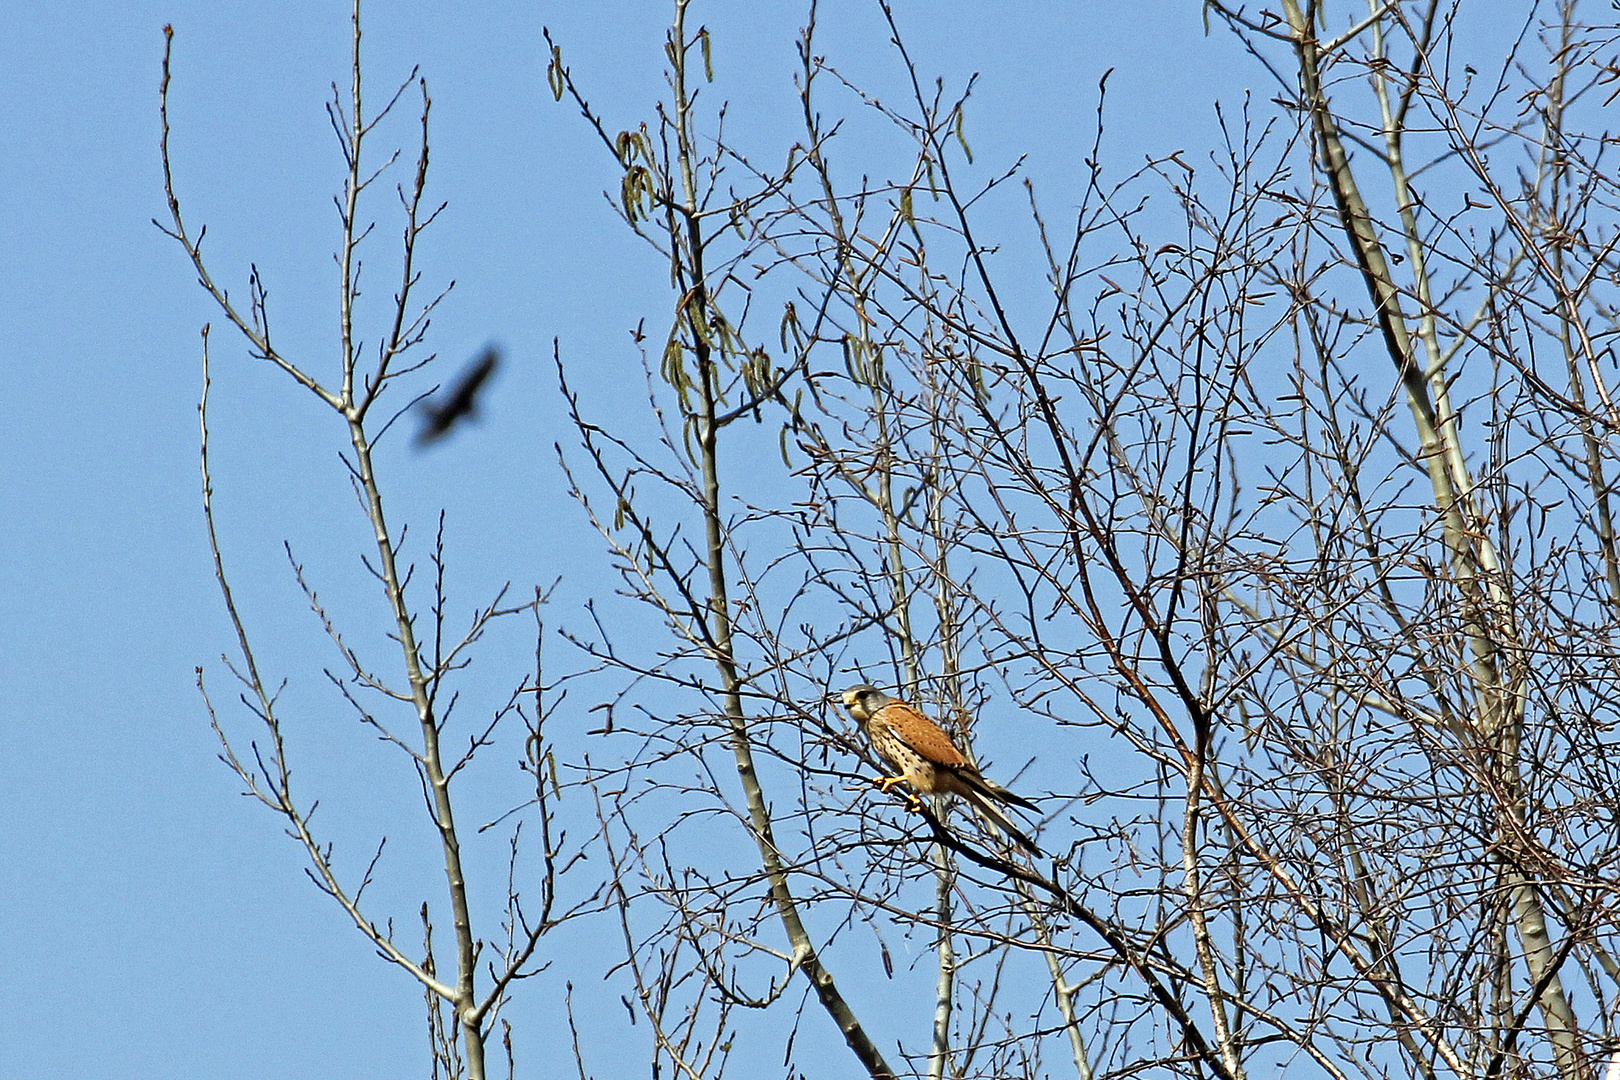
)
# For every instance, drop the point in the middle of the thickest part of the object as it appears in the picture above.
(156, 923)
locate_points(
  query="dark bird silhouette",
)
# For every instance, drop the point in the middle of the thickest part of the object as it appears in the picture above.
(442, 413)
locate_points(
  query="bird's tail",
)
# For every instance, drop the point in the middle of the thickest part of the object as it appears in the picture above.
(1004, 795)
(986, 806)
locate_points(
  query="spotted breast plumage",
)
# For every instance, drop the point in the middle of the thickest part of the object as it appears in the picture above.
(925, 758)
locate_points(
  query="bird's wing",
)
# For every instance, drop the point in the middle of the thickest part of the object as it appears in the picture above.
(929, 739)
(463, 396)
(921, 734)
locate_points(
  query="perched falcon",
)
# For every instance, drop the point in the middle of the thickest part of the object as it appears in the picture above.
(924, 756)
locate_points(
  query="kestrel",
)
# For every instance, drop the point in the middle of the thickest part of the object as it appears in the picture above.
(924, 756)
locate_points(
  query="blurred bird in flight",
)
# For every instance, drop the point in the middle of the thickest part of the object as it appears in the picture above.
(441, 413)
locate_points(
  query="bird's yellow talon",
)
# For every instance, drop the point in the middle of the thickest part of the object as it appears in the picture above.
(888, 783)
